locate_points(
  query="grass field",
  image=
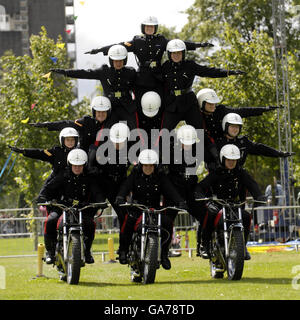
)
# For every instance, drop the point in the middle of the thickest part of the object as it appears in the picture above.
(267, 276)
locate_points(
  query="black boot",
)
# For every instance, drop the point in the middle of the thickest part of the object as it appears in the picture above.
(165, 261)
(87, 253)
(123, 257)
(246, 235)
(50, 244)
(205, 249)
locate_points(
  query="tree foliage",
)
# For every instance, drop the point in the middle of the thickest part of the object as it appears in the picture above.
(26, 95)
(244, 31)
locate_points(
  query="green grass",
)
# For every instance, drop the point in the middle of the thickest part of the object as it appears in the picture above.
(25, 246)
(266, 276)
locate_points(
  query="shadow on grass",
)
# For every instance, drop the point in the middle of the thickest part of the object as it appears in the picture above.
(270, 281)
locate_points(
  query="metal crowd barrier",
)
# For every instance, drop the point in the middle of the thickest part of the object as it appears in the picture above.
(20, 235)
(275, 223)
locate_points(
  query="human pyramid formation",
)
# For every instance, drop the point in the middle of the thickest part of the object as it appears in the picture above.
(93, 160)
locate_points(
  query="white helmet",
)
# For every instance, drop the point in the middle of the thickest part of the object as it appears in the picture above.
(117, 52)
(77, 157)
(119, 132)
(148, 156)
(149, 21)
(68, 132)
(207, 95)
(151, 103)
(100, 103)
(176, 45)
(229, 151)
(231, 118)
(187, 134)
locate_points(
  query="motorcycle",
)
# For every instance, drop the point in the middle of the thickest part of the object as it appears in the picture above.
(227, 246)
(70, 250)
(145, 247)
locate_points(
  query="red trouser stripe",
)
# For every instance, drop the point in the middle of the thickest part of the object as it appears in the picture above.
(137, 223)
(205, 220)
(217, 218)
(124, 223)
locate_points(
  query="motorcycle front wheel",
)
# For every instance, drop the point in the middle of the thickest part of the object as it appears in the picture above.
(74, 259)
(151, 257)
(235, 259)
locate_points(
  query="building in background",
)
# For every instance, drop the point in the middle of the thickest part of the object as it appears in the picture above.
(19, 19)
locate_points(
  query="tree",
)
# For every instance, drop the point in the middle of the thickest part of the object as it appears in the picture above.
(207, 19)
(28, 93)
(256, 88)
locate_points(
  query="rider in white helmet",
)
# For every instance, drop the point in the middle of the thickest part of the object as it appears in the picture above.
(232, 125)
(57, 155)
(146, 184)
(109, 162)
(88, 127)
(178, 76)
(150, 117)
(118, 82)
(213, 112)
(227, 183)
(72, 187)
(148, 49)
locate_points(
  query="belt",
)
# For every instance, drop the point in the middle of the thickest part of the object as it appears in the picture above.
(119, 94)
(180, 92)
(150, 64)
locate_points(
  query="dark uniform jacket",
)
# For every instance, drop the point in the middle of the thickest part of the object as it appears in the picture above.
(228, 185)
(56, 156)
(117, 84)
(87, 127)
(149, 50)
(147, 124)
(115, 169)
(177, 169)
(178, 79)
(147, 189)
(213, 122)
(69, 188)
(247, 146)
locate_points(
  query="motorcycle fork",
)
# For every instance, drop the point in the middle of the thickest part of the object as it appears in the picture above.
(65, 235)
(238, 225)
(159, 237)
(226, 235)
(143, 236)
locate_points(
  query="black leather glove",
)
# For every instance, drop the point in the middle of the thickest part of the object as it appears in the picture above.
(199, 195)
(15, 149)
(236, 72)
(39, 124)
(183, 205)
(41, 199)
(287, 154)
(93, 171)
(212, 207)
(59, 71)
(203, 44)
(119, 200)
(93, 51)
(260, 201)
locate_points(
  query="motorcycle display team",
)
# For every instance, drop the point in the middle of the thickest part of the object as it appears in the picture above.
(145, 190)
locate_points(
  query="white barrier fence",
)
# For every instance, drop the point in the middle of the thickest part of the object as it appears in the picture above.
(20, 235)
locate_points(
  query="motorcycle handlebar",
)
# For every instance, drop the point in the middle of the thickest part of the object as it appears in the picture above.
(64, 207)
(223, 202)
(143, 207)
